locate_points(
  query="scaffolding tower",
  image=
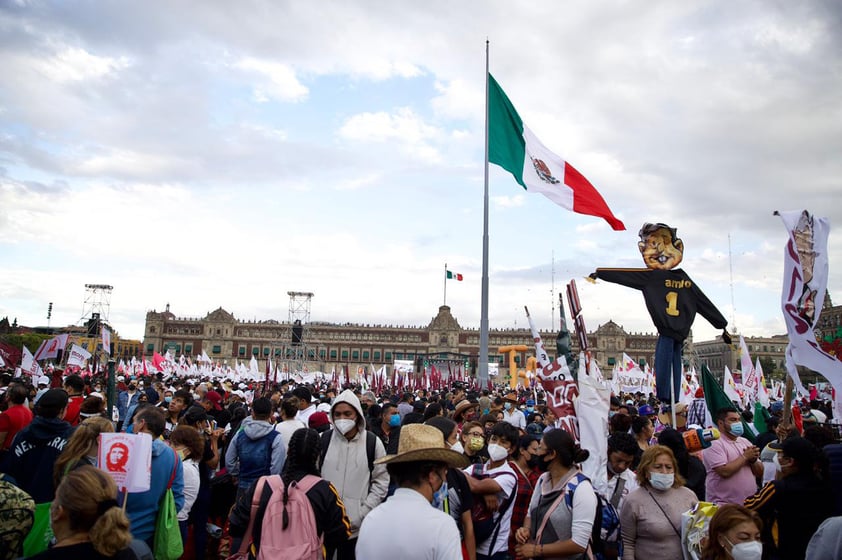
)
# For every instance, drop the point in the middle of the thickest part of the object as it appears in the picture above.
(96, 307)
(299, 327)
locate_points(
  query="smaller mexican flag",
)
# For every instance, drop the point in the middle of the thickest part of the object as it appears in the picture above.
(453, 275)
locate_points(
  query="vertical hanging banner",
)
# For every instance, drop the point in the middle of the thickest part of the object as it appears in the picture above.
(558, 383)
(127, 458)
(804, 287)
(106, 341)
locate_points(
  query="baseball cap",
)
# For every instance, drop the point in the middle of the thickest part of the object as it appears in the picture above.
(318, 419)
(51, 402)
(214, 398)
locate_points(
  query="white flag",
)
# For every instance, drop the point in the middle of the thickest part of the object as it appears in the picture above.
(805, 284)
(78, 356)
(127, 458)
(749, 379)
(730, 387)
(28, 364)
(106, 341)
(50, 349)
(762, 391)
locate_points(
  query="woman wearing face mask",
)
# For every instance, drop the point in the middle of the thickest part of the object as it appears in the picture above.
(525, 460)
(473, 443)
(651, 516)
(82, 448)
(734, 534)
(189, 445)
(495, 482)
(563, 505)
(455, 498)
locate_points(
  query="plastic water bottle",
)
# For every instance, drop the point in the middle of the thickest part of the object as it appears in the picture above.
(215, 531)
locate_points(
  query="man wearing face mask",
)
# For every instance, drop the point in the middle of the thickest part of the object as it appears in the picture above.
(348, 461)
(389, 428)
(787, 523)
(125, 400)
(511, 414)
(420, 470)
(732, 462)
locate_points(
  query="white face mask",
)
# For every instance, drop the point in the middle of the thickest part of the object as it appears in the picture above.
(752, 550)
(497, 452)
(344, 425)
(457, 447)
(661, 481)
(776, 460)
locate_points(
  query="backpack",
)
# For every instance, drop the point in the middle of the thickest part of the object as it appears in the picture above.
(267, 441)
(290, 505)
(486, 524)
(370, 444)
(606, 540)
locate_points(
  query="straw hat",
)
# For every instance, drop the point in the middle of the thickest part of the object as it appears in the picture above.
(462, 406)
(420, 442)
(680, 416)
(511, 397)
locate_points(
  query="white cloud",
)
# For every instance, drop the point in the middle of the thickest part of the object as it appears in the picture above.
(506, 201)
(403, 127)
(74, 64)
(278, 81)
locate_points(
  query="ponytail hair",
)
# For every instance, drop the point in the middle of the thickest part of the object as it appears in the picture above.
(567, 450)
(77, 446)
(89, 496)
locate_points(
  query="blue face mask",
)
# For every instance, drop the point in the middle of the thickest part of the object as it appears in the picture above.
(736, 429)
(395, 420)
(530, 409)
(167, 400)
(440, 497)
(507, 406)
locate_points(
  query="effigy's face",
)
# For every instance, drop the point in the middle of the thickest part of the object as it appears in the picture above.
(659, 251)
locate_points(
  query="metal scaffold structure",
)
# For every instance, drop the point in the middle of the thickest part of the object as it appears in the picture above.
(96, 307)
(299, 327)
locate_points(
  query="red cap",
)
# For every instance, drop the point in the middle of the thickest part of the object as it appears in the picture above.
(318, 419)
(215, 398)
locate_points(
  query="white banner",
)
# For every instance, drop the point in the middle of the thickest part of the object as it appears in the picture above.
(127, 458)
(78, 356)
(493, 369)
(592, 406)
(404, 366)
(805, 283)
(106, 341)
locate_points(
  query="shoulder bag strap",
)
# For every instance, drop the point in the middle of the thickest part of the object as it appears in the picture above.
(174, 469)
(618, 491)
(255, 504)
(549, 512)
(677, 532)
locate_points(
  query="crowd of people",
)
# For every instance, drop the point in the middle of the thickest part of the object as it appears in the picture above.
(302, 471)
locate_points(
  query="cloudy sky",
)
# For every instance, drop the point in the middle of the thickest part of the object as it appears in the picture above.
(208, 154)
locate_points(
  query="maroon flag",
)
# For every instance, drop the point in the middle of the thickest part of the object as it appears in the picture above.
(9, 355)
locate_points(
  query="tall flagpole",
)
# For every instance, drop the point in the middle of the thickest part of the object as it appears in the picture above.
(445, 284)
(483, 322)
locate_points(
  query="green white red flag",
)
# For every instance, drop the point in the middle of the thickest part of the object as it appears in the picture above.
(513, 146)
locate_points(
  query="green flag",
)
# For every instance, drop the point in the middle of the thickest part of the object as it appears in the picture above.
(760, 417)
(716, 398)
